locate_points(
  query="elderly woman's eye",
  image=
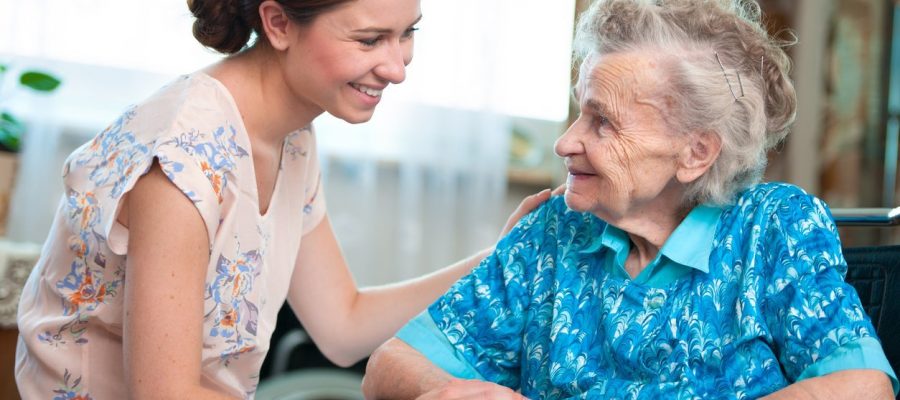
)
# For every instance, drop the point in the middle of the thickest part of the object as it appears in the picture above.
(601, 122)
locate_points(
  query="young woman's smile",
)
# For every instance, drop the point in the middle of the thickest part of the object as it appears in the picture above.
(343, 61)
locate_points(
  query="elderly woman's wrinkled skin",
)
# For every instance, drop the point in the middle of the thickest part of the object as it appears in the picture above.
(626, 164)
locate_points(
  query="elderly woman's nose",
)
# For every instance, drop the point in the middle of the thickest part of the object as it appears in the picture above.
(568, 144)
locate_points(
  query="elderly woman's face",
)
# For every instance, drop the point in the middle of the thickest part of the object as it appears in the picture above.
(620, 153)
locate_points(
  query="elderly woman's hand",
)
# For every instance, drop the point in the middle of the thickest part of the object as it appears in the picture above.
(859, 384)
(471, 389)
(398, 371)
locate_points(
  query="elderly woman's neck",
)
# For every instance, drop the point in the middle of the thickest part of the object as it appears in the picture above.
(648, 234)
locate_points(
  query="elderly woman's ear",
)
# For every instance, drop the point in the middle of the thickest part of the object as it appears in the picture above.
(699, 153)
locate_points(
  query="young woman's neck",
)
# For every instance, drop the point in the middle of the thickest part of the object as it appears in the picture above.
(269, 109)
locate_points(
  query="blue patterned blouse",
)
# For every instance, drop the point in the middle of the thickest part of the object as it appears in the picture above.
(741, 302)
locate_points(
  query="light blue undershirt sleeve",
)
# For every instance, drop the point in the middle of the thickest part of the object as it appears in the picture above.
(863, 353)
(423, 335)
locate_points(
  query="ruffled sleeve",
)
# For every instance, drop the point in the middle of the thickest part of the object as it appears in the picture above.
(199, 161)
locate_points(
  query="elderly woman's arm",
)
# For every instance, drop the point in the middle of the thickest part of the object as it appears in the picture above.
(397, 371)
(858, 384)
(824, 341)
(485, 309)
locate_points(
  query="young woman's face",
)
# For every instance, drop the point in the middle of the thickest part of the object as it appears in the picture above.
(345, 59)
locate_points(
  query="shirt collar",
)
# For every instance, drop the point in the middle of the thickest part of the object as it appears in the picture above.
(691, 242)
(689, 245)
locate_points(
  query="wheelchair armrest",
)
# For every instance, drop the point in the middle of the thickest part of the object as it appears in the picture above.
(866, 216)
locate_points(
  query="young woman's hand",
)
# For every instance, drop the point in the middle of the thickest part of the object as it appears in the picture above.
(528, 205)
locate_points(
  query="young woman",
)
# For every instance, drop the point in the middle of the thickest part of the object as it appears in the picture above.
(189, 220)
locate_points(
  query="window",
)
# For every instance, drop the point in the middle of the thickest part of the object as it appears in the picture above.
(507, 56)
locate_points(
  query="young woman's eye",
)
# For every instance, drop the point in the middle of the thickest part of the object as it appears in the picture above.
(410, 32)
(369, 42)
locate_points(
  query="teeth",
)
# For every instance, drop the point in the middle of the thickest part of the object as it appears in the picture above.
(367, 90)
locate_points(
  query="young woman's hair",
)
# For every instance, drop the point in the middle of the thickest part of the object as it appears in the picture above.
(227, 25)
(726, 75)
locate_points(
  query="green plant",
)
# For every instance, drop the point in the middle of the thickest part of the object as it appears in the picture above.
(11, 128)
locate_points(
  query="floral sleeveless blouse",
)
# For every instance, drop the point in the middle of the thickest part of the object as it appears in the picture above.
(70, 315)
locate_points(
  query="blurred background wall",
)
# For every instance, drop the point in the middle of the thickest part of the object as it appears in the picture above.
(843, 147)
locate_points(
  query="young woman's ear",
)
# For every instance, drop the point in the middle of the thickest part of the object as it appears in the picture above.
(275, 24)
(698, 156)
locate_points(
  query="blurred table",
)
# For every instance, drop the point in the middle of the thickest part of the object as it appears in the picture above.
(16, 262)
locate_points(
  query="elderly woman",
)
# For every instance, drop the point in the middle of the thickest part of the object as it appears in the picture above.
(667, 271)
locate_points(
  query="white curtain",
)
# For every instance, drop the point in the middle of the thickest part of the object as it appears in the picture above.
(422, 186)
(39, 163)
(418, 187)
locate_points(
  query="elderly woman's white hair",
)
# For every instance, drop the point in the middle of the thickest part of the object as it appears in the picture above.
(726, 76)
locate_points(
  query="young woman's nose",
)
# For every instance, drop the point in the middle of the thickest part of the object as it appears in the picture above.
(392, 67)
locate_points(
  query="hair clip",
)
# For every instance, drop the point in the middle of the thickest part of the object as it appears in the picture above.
(725, 74)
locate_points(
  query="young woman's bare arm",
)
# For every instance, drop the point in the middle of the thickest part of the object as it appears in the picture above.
(168, 253)
(349, 323)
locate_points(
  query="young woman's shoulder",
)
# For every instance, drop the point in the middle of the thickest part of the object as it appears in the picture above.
(190, 127)
(194, 102)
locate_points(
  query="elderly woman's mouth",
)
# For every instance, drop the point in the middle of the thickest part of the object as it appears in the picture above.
(579, 176)
(578, 173)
